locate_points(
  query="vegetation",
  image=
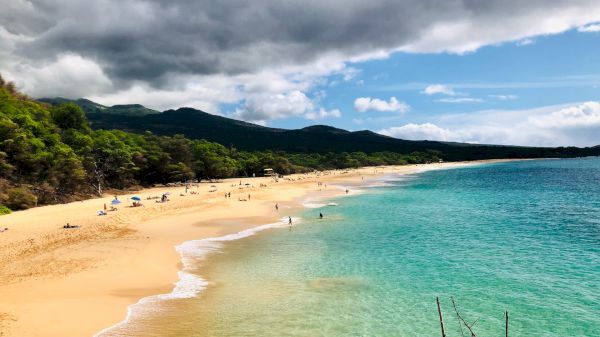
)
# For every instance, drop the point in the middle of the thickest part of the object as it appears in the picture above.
(196, 124)
(4, 210)
(49, 154)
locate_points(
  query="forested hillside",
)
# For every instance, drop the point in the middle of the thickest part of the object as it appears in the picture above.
(49, 154)
(196, 124)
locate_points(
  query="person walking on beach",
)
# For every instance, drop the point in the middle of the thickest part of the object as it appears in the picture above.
(289, 220)
(277, 207)
(320, 215)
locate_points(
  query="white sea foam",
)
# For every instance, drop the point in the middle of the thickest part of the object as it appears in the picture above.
(189, 284)
(316, 204)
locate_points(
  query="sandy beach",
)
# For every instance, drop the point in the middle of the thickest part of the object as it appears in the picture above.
(76, 282)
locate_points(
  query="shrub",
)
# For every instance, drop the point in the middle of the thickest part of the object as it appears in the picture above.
(20, 198)
(4, 210)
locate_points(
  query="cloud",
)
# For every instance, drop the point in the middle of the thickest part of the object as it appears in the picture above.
(582, 116)
(589, 28)
(322, 114)
(426, 131)
(232, 37)
(174, 46)
(460, 100)
(69, 75)
(567, 125)
(441, 89)
(438, 89)
(260, 108)
(504, 97)
(525, 42)
(363, 104)
(267, 107)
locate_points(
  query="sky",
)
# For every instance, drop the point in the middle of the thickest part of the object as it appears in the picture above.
(481, 71)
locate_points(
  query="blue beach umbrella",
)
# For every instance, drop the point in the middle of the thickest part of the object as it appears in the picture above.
(115, 202)
(136, 198)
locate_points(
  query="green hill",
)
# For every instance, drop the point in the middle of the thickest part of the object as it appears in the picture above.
(196, 124)
(91, 107)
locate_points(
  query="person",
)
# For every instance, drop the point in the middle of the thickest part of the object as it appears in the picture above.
(248, 196)
(320, 215)
(347, 191)
(229, 195)
(289, 220)
(3, 229)
(105, 206)
(276, 207)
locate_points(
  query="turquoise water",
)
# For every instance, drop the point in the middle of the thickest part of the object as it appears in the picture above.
(521, 236)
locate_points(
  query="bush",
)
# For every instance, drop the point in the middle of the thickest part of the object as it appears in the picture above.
(4, 210)
(20, 198)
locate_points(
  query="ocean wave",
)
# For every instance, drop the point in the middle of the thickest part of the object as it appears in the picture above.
(316, 204)
(189, 284)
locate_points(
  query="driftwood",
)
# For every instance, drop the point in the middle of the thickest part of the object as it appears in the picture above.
(437, 299)
(469, 326)
(506, 316)
(462, 321)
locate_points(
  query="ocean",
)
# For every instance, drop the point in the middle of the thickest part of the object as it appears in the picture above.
(522, 237)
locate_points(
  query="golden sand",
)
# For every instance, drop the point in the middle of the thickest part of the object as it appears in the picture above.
(76, 282)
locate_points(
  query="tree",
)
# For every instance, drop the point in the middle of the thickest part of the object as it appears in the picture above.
(70, 116)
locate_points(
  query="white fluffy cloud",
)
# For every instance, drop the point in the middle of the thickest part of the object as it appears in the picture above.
(589, 28)
(582, 116)
(575, 124)
(69, 75)
(438, 89)
(363, 104)
(261, 108)
(426, 131)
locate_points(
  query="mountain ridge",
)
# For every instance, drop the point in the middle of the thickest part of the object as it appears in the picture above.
(198, 124)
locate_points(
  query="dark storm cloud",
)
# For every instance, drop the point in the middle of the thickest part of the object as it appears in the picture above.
(151, 40)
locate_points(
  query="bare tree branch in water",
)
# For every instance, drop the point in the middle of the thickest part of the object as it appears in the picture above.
(461, 319)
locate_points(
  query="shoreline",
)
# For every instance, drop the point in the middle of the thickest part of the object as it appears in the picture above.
(60, 283)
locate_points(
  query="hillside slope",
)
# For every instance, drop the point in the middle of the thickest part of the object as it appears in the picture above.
(197, 124)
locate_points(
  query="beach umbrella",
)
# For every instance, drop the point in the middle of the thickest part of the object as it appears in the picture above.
(115, 202)
(136, 198)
